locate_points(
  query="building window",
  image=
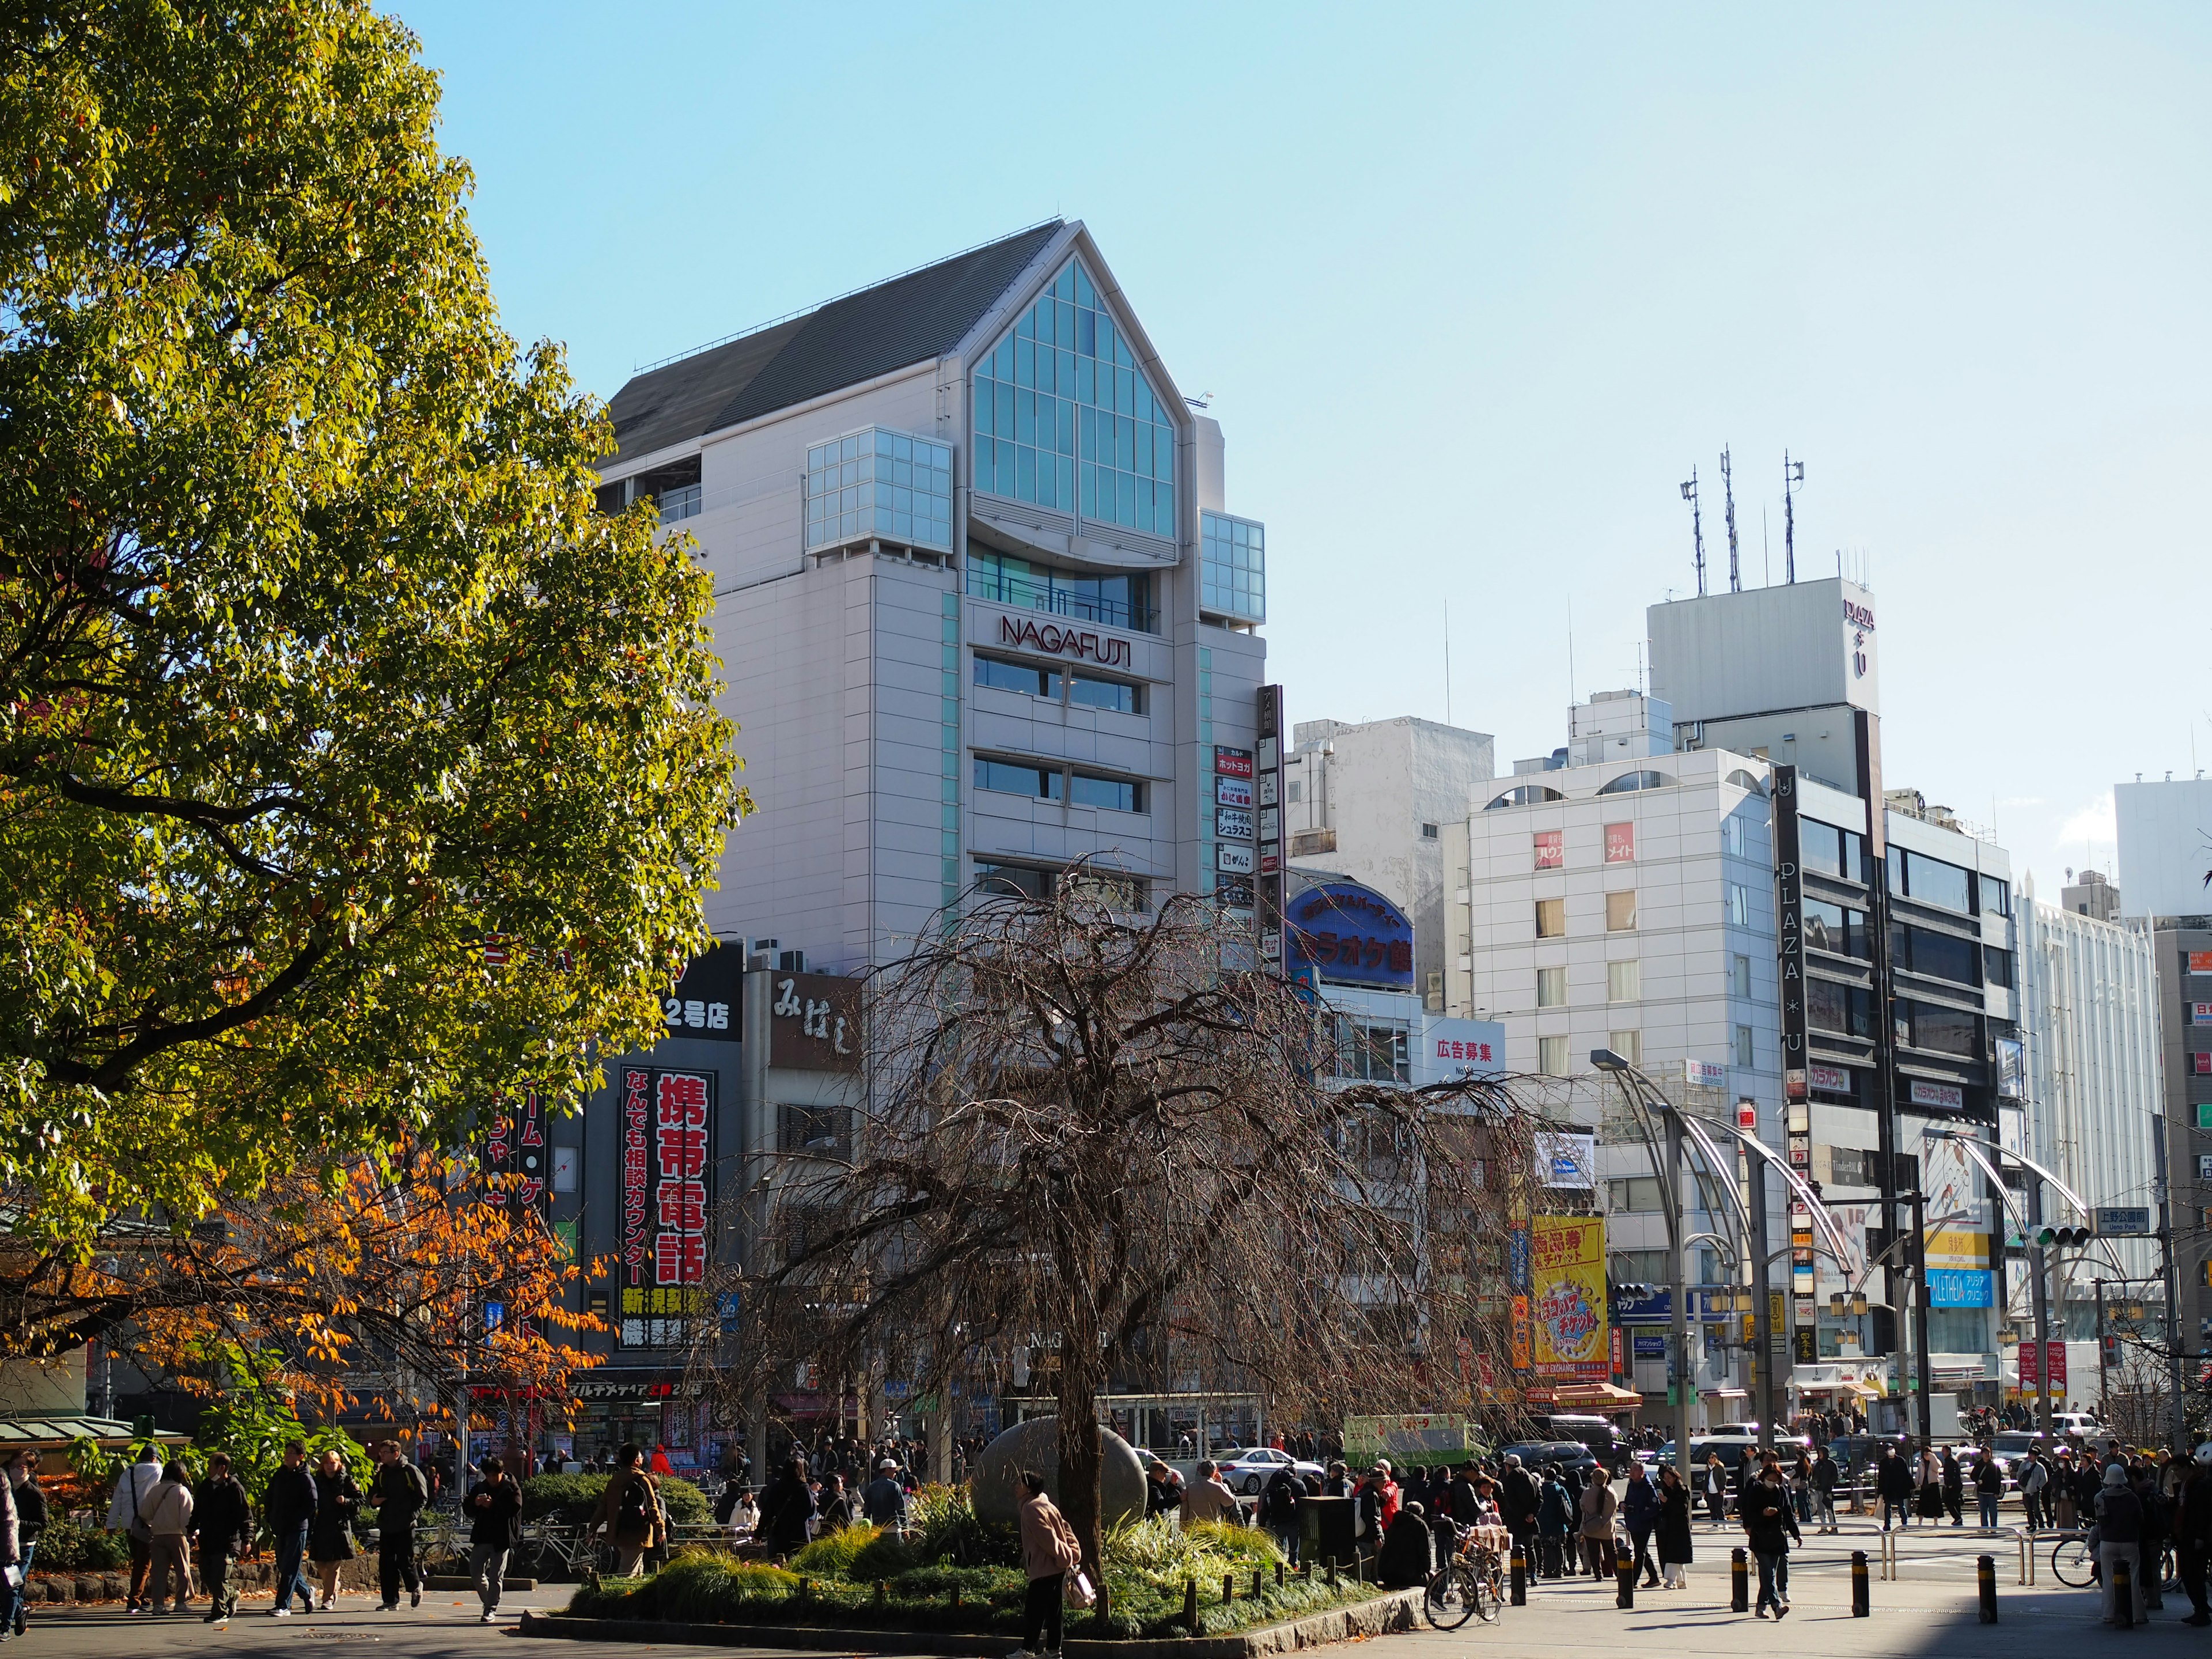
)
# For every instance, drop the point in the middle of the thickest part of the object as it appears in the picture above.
(1743, 1052)
(1552, 1056)
(1640, 1194)
(1740, 979)
(1930, 881)
(1551, 987)
(1115, 696)
(1840, 932)
(1039, 782)
(1845, 1009)
(1551, 918)
(1066, 419)
(1642, 1267)
(1620, 912)
(1629, 1045)
(1739, 902)
(1831, 851)
(1996, 896)
(1526, 794)
(1550, 849)
(1111, 794)
(1620, 843)
(1116, 601)
(1631, 782)
(1428, 832)
(1732, 836)
(1374, 1050)
(1017, 677)
(1232, 568)
(1939, 955)
(1938, 1029)
(1298, 792)
(879, 483)
(1088, 882)
(1624, 982)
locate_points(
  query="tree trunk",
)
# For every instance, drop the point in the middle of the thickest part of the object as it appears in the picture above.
(1080, 1446)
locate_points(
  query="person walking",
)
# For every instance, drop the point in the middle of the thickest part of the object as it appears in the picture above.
(1278, 1511)
(1716, 1487)
(1892, 1484)
(1989, 1488)
(2119, 1533)
(1408, 1553)
(168, 1512)
(495, 1506)
(399, 1494)
(2060, 1498)
(1801, 1487)
(629, 1511)
(1824, 1477)
(330, 1540)
(834, 1504)
(223, 1525)
(1954, 1488)
(2192, 1533)
(1518, 1503)
(1049, 1554)
(1673, 1531)
(1597, 1507)
(126, 1513)
(290, 1503)
(1555, 1525)
(2031, 1474)
(1639, 1512)
(1207, 1499)
(22, 1470)
(884, 1500)
(1769, 1526)
(2150, 1548)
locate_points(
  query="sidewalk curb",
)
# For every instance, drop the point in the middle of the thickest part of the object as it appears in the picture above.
(1398, 1611)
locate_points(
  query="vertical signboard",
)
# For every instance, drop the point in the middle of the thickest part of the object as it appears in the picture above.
(1789, 921)
(515, 1151)
(668, 1130)
(1268, 838)
(1568, 1320)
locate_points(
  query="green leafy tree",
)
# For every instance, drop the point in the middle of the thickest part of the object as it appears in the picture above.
(352, 767)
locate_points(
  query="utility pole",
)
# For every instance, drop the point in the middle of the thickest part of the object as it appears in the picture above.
(2171, 1285)
(2040, 1280)
(1679, 1308)
(1792, 475)
(1762, 1323)
(1924, 1364)
(1728, 493)
(2104, 1394)
(1696, 528)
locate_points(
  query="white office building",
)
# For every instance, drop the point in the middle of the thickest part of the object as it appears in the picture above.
(982, 611)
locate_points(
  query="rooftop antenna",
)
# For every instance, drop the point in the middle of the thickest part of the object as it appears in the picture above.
(1765, 558)
(1448, 720)
(1727, 494)
(1696, 528)
(1792, 475)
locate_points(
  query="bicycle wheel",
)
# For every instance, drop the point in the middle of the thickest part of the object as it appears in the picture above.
(2072, 1564)
(1452, 1597)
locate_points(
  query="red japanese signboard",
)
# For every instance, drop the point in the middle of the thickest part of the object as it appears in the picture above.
(668, 1140)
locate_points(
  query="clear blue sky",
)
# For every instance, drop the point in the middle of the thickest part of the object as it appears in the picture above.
(1475, 287)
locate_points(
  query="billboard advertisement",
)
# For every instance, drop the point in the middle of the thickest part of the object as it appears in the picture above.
(668, 1151)
(1570, 1334)
(1351, 935)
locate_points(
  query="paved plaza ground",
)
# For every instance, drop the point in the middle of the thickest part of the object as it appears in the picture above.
(1929, 1608)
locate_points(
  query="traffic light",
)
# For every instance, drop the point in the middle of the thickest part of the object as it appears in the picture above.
(2111, 1351)
(2061, 1238)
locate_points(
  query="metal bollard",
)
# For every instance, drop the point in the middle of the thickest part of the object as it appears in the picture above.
(1518, 1583)
(2123, 1594)
(1256, 1584)
(1624, 1570)
(1861, 1594)
(1190, 1605)
(1228, 1588)
(883, 1590)
(1281, 1572)
(1739, 1582)
(1331, 1564)
(1986, 1578)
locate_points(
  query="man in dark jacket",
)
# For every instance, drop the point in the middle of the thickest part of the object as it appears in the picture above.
(495, 1508)
(1278, 1511)
(786, 1508)
(1825, 1476)
(399, 1492)
(1639, 1511)
(222, 1522)
(2119, 1534)
(1408, 1556)
(2192, 1533)
(1768, 1525)
(290, 1503)
(1517, 1505)
(1893, 1483)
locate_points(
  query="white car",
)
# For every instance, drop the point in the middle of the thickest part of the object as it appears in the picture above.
(1248, 1471)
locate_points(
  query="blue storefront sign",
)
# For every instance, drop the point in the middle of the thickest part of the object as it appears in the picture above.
(1658, 1308)
(1516, 1258)
(1959, 1287)
(1351, 935)
(1649, 1345)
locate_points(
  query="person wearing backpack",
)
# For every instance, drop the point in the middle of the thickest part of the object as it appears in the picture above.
(629, 1511)
(1279, 1510)
(126, 1513)
(399, 1494)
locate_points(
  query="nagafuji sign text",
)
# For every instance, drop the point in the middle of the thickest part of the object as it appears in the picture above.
(1064, 642)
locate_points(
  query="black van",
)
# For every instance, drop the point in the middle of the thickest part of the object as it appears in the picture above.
(1597, 1433)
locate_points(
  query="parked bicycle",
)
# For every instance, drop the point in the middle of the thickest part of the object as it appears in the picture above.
(1471, 1585)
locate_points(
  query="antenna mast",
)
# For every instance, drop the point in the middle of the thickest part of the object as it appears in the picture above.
(1728, 493)
(1793, 476)
(1696, 528)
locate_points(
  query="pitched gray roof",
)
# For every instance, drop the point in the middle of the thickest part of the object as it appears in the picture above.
(903, 321)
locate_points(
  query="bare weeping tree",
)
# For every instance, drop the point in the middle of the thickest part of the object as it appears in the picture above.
(1082, 1132)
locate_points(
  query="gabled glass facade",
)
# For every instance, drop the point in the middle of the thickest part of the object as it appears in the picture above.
(1066, 419)
(1232, 568)
(883, 483)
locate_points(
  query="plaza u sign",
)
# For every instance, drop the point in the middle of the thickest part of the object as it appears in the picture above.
(1350, 935)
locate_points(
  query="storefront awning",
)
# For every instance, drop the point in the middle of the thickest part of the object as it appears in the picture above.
(1725, 1394)
(1598, 1397)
